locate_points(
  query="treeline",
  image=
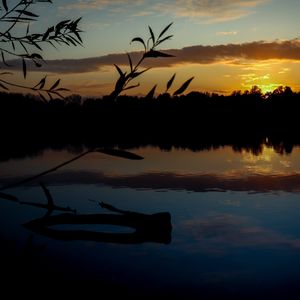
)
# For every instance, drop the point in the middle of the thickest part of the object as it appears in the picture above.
(196, 120)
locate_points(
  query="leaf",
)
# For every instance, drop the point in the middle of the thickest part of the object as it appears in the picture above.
(136, 74)
(155, 54)
(37, 64)
(131, 87)
(62, 90)
(130, 62)
(5, 5)
(55, 85)
(24, 68)
(120, 153)
(78, 36)
(183, 87)
(150, 95)
(169, 84)
(42, 97)
(69, 39)
(8, 197)
(152, 35)
(3, 59)
(18, 19)
(36, 56)
(50, 96)
(46, 34)
(119, 70)
(164, 30)
(164, 39)
(27, 13)
(140, 40)
(41, 83)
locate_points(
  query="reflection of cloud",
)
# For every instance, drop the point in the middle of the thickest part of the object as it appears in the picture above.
(233, 53)
(215, 233)
(172, 181)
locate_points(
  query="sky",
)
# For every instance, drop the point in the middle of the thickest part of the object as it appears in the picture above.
(225, 44)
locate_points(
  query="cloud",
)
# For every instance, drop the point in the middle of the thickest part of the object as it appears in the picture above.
(225, 33)
(233, 53)
(96, 4)
(211, 11)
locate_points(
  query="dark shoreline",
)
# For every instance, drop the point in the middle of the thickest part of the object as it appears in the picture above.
(197, 121)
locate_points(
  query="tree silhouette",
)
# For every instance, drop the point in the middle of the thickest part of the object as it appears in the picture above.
(19, 46)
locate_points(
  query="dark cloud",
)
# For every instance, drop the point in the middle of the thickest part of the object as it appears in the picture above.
(235, 53)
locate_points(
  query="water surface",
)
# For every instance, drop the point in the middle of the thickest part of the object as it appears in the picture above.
(235, 223)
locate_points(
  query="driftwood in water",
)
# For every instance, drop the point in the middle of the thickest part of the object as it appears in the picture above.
(148, 227)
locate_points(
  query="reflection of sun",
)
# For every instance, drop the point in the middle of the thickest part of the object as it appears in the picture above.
(259, 163)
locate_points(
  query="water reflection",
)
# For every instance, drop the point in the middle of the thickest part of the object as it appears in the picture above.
(235, 222)
(155, 228)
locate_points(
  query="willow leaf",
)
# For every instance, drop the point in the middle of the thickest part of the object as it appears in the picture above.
(183, 87)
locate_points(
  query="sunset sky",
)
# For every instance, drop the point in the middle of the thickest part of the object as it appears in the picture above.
(226, 44)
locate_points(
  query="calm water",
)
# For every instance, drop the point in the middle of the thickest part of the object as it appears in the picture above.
(235, 223)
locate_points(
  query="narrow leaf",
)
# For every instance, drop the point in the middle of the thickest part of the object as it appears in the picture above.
(152, 35)
(150, 95)
(130, 62)
(36, 45)
(46, 34)
(155, 54)
(36, 55)
(27, 13)
(119, 70)
(55, 85)
(140, 40)
(5, 4)
(27, 30)
(41, 83)
(42, 97)
(164, 30)
(3, 59)
(170, 82)
(183, 87)
(24, 68)
(78, 36)
(136, 74)
(131, 87)
(62, 90)
(120, 153)
(164, 39)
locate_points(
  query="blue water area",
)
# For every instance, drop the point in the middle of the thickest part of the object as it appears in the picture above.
(237, 237)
